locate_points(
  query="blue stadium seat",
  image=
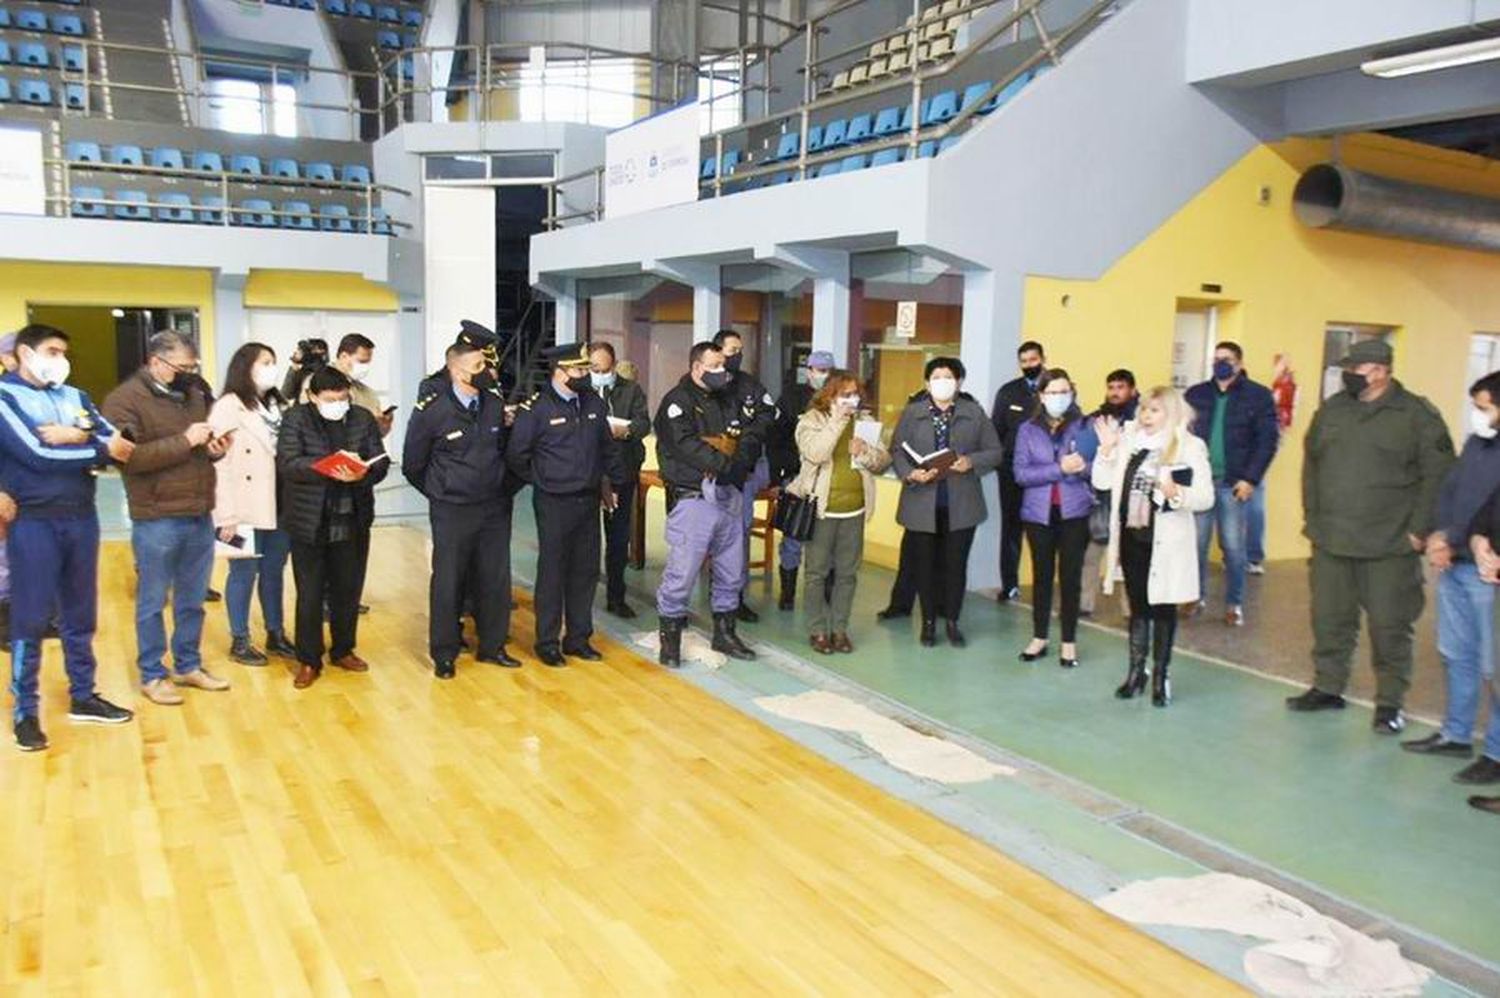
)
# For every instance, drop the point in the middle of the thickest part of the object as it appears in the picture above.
(34, 92)
(1012, 88)
(211, 210)
(126, 156)
(814, 138)
(948, 143)
(135, 210)
(4, 52)
(387, 39)
(928, 149)
(75, 96)
(943, 107)
(387, 14)
(410, 40)
(408, 67)
(4, 17)
(786, 147)
(33, 54)
(334, 218)
(830, 169)
(166, 158)
(859, 130)
(180, 210)
(834, 133)
(208, 161)
(706, 168)
(380, 222)
(335, 7)
(255, 212)
(284, 168)
(906, 114)
(307, 4)
(885, 157)
(4, 90)
(86, 202)
(782, 178)
(888, 121)
(68, 24)
(73, 58)
(245, 164)
(411, 17)
(731, 161)
(83, 152)
(356, 173)
(31, 20)
(322, 172)
(359, 8)
(974, 93)
(298, 215)
(853, 164)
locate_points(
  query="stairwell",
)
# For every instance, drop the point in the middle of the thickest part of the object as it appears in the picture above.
(145, 23)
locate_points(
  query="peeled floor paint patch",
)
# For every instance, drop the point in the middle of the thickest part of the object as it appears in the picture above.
(1306, 954)
(695, 648)
(911, 751)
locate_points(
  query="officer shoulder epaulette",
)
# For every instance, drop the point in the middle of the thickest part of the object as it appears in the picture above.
(423, 402)
(526, 405)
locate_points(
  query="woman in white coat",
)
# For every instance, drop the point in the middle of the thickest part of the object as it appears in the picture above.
(1158, 477)
(245, 499)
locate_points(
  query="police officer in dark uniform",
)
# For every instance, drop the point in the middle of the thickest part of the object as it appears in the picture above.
(757, 418)
(470, 333)
(560, 443)
(455, 456)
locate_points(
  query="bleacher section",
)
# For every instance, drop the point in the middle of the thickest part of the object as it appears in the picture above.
(41, 65)
(926, 39)
(369, 35)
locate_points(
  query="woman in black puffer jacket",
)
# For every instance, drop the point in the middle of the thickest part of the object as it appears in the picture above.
(328, 518)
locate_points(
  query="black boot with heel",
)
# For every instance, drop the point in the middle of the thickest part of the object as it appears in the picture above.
(1140, 648)
(1164, 632)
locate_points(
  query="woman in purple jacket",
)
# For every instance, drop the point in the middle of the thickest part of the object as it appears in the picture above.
(1053, 472)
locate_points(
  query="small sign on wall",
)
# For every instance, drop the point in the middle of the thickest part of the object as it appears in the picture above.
(652, 163)
(906, 320)
(23, 186)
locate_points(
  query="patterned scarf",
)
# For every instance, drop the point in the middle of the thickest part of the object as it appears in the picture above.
(1147, 463)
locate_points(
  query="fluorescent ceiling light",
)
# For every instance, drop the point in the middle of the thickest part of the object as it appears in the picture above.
(1428, 60)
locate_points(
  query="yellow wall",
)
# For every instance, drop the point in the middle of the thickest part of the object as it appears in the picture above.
(1288, 281)
(108, 285)
(94, 346)
(321, 289)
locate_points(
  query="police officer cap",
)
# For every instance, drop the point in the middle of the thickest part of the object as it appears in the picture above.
(567, 355)
(821, 359)
(1369, 352)
(474, 334)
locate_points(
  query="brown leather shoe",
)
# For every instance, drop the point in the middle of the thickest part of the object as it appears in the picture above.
(821, 644)
(352, 663)
(841, 643)
(306, 676)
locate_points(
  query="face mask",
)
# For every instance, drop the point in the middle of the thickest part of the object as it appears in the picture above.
(483, 381)
(181, 382)
(603, 381)
(817, 379)
(1223, 370)
(579, 382)
(1355, 384)
(732, 364)
(359, 371)
(942, 389)
(334, 412)
(265, 377)
(1480, 425)
(716, 381)
(848, 403)
(1032, 373)
(48, 370)
(1057, 406)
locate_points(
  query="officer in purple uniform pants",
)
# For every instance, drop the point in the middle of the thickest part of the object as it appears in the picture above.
(705, 456)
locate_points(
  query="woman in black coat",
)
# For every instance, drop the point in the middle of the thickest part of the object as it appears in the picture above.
(328, 516)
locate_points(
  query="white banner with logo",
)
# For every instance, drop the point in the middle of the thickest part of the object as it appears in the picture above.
(23, 186)
(652, 163)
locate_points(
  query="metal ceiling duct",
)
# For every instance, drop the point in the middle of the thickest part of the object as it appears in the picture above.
(1329, 196)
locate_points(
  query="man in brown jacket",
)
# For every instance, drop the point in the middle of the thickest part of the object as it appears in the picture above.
(169, 482)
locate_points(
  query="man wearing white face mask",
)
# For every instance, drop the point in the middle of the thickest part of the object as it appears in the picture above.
(629, 425)
(51, 440)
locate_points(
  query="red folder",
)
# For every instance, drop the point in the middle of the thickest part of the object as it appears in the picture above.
(348, 461)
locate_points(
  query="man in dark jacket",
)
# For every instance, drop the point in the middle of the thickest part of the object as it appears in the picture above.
(757, 414)
(1014, 404)
(169, 482)
(1465, 601)
(328, 514)
(629, 426)
(706, 459)
(785, 461)
(1237, 419)
(1373, 463)
(455, 456)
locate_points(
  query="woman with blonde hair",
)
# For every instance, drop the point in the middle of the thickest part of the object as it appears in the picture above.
(1159, 477)
(838, 469)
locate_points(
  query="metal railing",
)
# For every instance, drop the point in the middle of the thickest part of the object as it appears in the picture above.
(1049, 50)
(225, 181)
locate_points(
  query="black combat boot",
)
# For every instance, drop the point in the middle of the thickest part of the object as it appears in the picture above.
(670, 633)
(726, 640)
(788, 599)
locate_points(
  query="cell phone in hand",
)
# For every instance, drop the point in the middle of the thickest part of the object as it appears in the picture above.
(1183, 476)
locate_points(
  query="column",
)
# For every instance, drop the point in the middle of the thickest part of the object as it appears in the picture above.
(708, 296)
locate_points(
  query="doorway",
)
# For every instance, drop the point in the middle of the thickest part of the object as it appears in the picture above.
(108, 343)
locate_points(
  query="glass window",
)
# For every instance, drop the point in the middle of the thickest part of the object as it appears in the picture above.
(592, 92)
(519, 166)
(455, 168)
(720, 99)
(252, 108)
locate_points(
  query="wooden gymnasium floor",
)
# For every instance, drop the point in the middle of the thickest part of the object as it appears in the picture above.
(607, 828)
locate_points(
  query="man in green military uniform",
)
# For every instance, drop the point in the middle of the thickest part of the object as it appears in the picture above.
(1374, 458)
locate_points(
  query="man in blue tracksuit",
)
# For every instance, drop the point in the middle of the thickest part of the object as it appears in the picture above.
(51, 440)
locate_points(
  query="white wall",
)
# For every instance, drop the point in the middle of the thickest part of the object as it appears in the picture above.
(460, 264)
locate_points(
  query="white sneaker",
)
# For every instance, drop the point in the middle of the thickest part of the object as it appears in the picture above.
(160, 691)
(201, 679)
(1255, 568)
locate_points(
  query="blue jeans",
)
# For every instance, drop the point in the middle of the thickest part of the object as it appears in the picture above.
(61, 559)
(790, 553)
(173, 554)
(1466, 636)
(273, 546)
(1228, 515)
(1255, 526)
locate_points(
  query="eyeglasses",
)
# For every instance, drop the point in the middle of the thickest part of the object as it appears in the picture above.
(192, 368)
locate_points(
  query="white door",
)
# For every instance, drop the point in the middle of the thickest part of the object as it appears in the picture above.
(458, 245)
(1192, 346)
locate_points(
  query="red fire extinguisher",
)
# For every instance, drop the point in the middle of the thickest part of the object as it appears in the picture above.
(1284, 390)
